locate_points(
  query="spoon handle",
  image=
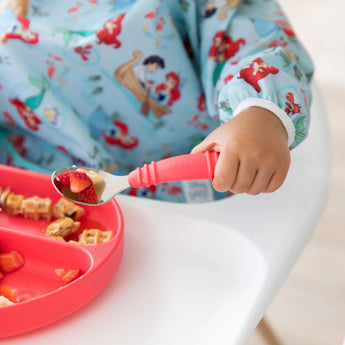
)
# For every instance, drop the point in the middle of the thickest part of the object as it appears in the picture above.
(196, 166)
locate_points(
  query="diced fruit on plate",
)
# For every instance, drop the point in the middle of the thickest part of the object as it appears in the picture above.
(59, 272)
(9, 292)
(4, 301)
(67, 275)
(10, 261)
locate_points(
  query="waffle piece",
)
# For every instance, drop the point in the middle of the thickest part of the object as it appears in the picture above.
(37, 208)
(62, 227)
(65, 208)
(58, 238)
(74, 242)
(13, 204)
(4, 301)
(94, 236)
(4, 193)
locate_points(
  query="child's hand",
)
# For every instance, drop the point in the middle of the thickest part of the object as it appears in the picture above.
(254, 155)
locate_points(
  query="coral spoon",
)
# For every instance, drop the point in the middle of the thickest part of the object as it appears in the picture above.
(197, 166)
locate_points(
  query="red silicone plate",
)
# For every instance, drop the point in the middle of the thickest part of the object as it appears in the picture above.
(51, 299)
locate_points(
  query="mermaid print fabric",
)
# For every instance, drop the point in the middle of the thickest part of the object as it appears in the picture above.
(116, 84)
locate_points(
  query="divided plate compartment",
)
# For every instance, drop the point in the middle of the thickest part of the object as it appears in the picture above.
(48, 299)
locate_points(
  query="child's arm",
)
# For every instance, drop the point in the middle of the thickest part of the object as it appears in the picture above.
(264, 98)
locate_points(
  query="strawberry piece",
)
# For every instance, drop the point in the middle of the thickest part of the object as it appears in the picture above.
(70, 275)
(79, 181)
(57, 183)
(64, 179)
(1, 275)
(9, 292)
(10, 261)
(67, 275)
(89, 195)
(59, 272)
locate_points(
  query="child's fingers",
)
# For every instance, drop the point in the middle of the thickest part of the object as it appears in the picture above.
(276, 181)
(225, 172)
(246, 174)
(261, 182)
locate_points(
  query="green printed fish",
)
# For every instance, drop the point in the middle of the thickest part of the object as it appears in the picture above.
(67, 34)
(300, 134)
(34, 101)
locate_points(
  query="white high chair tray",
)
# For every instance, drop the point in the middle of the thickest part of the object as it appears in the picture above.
(202, 274)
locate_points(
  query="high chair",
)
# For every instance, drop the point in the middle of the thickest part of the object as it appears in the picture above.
(319, 131)
(201, 274)
(317, 152)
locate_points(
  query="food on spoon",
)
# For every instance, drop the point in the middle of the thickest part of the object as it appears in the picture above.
(62, 227)
(81, 185)
(89, 195)
(65, 179)
(79, 181)
(65, 208)
(97, 181)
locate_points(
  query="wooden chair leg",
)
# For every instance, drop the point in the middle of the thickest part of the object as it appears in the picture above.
(267, 333)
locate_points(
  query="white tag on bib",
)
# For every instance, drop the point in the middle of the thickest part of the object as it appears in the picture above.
(198, 191)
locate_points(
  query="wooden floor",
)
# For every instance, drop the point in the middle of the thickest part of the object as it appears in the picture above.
(310, 307)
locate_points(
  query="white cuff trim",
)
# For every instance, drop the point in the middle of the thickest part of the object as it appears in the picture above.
(263, 103)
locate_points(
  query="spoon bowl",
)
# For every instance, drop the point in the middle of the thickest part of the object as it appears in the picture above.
(113, 185)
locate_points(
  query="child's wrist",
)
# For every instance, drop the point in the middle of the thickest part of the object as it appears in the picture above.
(272, 117)
(273, 109)
(264, 118)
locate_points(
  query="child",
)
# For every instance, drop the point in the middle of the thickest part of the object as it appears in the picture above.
(242, 58)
